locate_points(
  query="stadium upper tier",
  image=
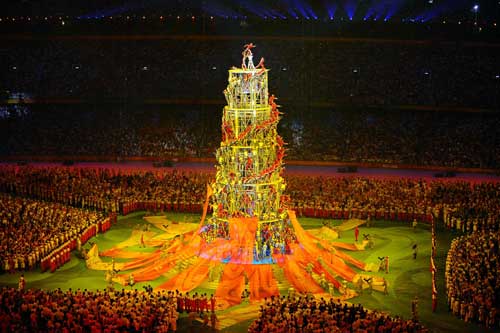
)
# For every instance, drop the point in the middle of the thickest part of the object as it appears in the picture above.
(415, 137)
(311, 71)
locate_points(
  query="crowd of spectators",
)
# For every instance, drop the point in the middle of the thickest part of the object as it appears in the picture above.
(457, 204)
(472, 281)
(469, 207)
(450, 139)
(359, 73)
(367, 72)
(106, 190)
(309, 314)
(30, 230)
(475, 204)
(460, 205)
(87, 311)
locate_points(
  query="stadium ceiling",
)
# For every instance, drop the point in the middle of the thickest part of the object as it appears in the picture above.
(276, 9)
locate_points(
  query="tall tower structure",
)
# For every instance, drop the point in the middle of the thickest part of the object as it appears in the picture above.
(252, 237)
(250, 161)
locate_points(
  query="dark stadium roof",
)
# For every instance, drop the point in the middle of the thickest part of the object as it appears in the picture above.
(420, 10)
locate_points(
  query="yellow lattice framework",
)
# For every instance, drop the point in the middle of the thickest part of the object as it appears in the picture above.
(250, 157)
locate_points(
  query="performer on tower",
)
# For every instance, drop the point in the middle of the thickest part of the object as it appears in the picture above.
(247, 61)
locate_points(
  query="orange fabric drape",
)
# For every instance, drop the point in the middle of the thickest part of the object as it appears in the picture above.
(298, 277)
(190, 278)
(232, 284)
(262, 281)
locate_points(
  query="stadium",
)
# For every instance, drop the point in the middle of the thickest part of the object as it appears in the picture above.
(250, 166)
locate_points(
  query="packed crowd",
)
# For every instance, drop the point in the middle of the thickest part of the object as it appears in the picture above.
(472, 280)
(87, 311)
(452, 139)
(474, 204)
(309, 314)
(461, 205)
(31, 230)
(373, 72)
(469, 207)
(107, 190)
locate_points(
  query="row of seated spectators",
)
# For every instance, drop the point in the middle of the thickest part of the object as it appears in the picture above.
(374, 72)
(34, 232)
(451, 139)
(474, 205)
(472, 278)
(309, 314)
(105, 189)
(87, 311)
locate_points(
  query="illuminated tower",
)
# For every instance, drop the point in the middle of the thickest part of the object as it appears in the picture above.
(250, 159)
(252, 237)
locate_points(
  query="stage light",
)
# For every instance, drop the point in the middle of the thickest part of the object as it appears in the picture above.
(14, 68)
(475, 8)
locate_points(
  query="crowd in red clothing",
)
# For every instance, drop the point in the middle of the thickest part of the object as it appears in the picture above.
(308, 314)
(472, 278)
(87, 311)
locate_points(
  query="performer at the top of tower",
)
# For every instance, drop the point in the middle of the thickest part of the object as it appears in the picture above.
(248, 56)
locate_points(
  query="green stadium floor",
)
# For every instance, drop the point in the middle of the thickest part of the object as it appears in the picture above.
(407, 277)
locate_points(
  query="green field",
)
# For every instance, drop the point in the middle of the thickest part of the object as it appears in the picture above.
(407, 277)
